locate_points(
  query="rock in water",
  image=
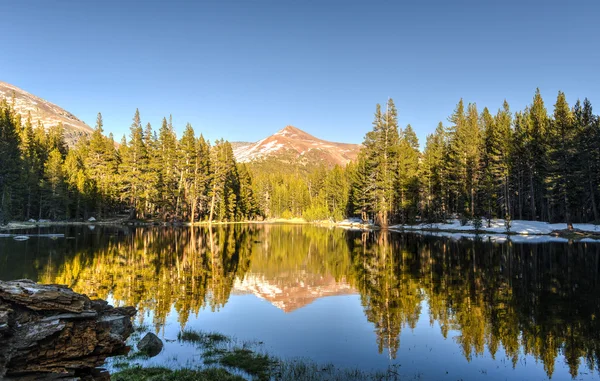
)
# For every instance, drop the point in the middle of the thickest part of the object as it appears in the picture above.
(150, 345)
(51, 330)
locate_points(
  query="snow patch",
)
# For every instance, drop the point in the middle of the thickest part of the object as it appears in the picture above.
(522, 227)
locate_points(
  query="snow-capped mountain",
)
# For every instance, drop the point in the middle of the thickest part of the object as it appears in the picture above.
(290, 292)
(293, 143)
(47, 113)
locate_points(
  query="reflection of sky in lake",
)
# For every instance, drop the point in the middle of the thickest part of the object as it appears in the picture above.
(341, 297)
(334, 330)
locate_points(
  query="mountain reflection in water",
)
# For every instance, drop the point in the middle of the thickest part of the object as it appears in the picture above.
(541, 300)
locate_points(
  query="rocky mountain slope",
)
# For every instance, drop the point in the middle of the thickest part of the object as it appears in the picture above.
(47, 113)
(293, 144)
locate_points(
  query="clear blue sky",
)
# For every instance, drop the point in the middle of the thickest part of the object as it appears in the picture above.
(242, 70)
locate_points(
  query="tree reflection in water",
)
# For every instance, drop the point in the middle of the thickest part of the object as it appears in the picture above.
(537, 299)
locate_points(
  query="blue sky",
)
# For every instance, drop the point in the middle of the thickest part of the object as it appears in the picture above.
(242, 70)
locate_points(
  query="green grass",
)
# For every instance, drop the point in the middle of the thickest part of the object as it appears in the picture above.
(255, 364)
(165, 374)
(306, 370)
(206, 339)
(225, 359)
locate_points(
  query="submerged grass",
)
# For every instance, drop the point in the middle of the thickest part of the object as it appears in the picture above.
(225, 359)
(166, 374)
(306, 370)
(255, 364)
(202, 338)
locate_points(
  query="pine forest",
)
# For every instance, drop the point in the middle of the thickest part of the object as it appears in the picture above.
(541, 163)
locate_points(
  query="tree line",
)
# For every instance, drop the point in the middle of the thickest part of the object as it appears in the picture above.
(526, 165)
(522, 165)
(529, 165)
(150, 174)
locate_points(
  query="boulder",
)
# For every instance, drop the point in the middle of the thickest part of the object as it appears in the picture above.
(91, 219)
(52, 332)
(150, 345)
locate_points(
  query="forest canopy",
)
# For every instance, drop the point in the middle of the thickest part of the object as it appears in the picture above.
(530, 164)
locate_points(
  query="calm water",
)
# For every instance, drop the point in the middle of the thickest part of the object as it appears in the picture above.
(440, 308)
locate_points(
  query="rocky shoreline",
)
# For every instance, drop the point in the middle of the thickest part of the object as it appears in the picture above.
(50, 332)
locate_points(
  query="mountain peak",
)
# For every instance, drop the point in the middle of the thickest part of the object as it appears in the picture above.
(45, 112)
(290, 130)
(292, 142)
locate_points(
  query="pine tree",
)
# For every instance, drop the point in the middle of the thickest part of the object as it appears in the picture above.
(536, 146)
(381, 157)
(407, 176)
(433, 176)
(54, 181)
(472, 144)
(170, 174)
(520, 160)
(32, 167)
(203, 175)
(11, 163)
(248, 207)
(78, 184)
(155, 188)
(457, 160)
(588, 144)
(501, 156)
(360, 201)
(562, 151)
(189, 166)
(99, 164)
(135, 168)
(224, 182)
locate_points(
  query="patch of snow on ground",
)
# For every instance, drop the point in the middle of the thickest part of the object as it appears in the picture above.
(497, 226)
(350, 221)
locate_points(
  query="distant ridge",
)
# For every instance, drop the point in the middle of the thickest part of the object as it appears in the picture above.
(297, 144)
(45, 112)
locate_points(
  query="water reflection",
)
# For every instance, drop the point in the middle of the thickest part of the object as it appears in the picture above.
(541, 300)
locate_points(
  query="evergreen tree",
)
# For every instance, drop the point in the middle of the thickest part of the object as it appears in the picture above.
(248, 206)
(407, 177)
(169, 173)
(54, 199)
(562, 150)
(457, 160)
(134, 168)
(224, 182)
(11, 164)
(500, 156)
(588, 146)
(381, 157)
(536, 147)
(155, 187)
(189, 165)
(100, 166)
(32, 167)
(433, 176)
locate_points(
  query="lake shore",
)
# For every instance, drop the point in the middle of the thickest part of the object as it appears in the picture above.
(495, 227)
(499, 227)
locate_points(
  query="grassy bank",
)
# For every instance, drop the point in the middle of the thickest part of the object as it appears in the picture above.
(226, 359)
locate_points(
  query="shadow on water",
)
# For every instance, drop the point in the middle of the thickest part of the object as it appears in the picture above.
(541, 300)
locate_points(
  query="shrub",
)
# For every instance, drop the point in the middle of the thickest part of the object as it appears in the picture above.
(507, 223)
(477, 223)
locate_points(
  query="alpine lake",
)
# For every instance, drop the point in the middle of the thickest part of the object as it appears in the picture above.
(431, 307)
